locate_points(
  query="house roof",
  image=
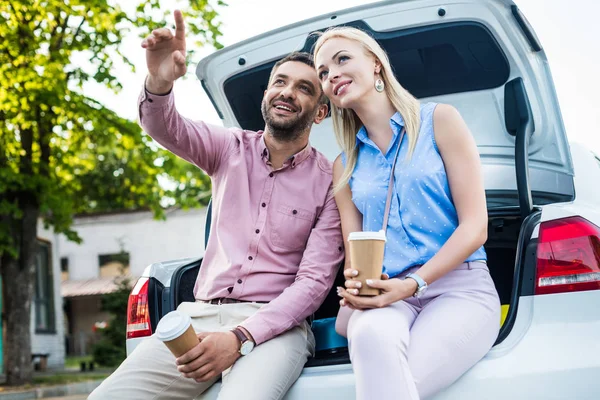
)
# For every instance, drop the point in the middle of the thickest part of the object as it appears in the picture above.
(88, 287)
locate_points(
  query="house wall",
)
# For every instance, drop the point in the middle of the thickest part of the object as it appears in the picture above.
(146, 240)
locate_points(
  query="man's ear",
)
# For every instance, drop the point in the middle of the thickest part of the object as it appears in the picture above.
(321, 113)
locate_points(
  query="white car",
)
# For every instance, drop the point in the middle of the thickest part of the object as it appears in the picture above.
(483, 57)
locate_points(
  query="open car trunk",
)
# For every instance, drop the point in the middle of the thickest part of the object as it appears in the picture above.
(482, 57)
(511, 256)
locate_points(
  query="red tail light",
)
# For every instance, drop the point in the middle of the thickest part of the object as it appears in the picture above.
(568, 256)
(138, 316)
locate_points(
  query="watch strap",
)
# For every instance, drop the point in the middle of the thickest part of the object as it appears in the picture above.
(420, 281)
(240, 335)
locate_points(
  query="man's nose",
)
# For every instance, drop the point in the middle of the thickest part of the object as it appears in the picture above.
(288, 92)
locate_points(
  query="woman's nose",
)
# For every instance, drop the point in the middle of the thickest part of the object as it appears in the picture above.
(333, 76)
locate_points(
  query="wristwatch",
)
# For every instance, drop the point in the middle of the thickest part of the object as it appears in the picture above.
(421, 285)
(246, 345)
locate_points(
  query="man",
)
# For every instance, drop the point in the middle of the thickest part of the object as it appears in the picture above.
(275, 242)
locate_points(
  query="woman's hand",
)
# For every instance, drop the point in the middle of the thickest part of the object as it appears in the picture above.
(392, 290)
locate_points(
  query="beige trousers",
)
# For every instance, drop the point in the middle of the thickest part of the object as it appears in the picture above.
(266, 373)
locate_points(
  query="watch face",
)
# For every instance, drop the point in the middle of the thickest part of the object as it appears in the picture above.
(247, 347)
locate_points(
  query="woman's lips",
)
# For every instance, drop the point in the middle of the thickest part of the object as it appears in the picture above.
(341, 88)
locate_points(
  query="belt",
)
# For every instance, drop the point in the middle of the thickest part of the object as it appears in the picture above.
(226, 300)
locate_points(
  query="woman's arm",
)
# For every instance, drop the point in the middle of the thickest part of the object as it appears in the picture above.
(350, 217)
(463, 168)
(351, 220)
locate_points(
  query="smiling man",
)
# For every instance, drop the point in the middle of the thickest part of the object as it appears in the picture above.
(275, 242)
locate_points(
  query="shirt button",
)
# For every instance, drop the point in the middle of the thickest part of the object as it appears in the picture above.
(239, 281)
(150, 100)
(249, 257)
(295, 212)
(264, 204)
(230, 289)
(271, 175)
(257, 231)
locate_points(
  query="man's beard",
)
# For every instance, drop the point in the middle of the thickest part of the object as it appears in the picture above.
(290, 129)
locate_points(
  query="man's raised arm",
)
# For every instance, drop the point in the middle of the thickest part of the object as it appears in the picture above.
(197, 142)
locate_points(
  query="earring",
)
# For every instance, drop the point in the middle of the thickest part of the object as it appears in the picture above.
(379, 85)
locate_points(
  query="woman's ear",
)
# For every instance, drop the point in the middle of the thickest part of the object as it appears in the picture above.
(377, 66)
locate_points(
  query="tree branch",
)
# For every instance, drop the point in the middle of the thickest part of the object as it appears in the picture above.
(58, 44)
(12, 6)
(79, 28)
(44, 134)
(26, 160)
(37, 26)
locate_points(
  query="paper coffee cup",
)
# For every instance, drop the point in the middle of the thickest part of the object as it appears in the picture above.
(366, 256)
(176, 331)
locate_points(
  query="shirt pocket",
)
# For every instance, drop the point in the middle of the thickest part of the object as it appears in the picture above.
(291, 227)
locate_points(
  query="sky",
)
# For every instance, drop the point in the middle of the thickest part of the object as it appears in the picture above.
(568, 31)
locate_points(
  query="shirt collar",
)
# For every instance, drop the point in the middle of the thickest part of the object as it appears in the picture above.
(396, 122)
(292, 161)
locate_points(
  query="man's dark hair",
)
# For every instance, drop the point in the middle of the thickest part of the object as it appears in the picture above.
(305, 58)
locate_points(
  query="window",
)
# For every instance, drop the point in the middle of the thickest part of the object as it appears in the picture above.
(44, 290)
(64, 269)
(113, 265)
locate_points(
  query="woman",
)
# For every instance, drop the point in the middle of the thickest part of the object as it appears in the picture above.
(439, 312)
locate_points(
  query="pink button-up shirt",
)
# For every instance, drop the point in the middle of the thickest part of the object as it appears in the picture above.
(275, 234)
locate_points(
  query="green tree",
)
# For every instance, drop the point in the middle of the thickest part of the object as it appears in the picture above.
(61, 151)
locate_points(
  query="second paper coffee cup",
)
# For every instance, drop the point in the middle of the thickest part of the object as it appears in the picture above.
(175, 330)
(366, 256)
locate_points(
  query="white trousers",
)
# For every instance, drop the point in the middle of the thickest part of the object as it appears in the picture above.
(414, 348)
(266, 373)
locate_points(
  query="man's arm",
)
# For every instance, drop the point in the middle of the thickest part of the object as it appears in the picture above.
(318, 268)
(197, 142)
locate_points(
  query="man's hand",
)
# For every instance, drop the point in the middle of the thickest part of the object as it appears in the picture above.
(165, 56)
(215, 353)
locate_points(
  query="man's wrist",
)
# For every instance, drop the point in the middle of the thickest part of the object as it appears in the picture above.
(248, 334)
(157, 86)
(246, 342)
(237, 341)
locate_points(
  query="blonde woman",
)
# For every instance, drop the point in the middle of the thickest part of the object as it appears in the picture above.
(438, 312)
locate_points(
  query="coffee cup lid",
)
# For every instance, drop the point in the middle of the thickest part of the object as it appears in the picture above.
(367, 235)
(172, 325)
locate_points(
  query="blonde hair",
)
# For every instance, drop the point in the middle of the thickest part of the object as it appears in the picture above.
(345, 121)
